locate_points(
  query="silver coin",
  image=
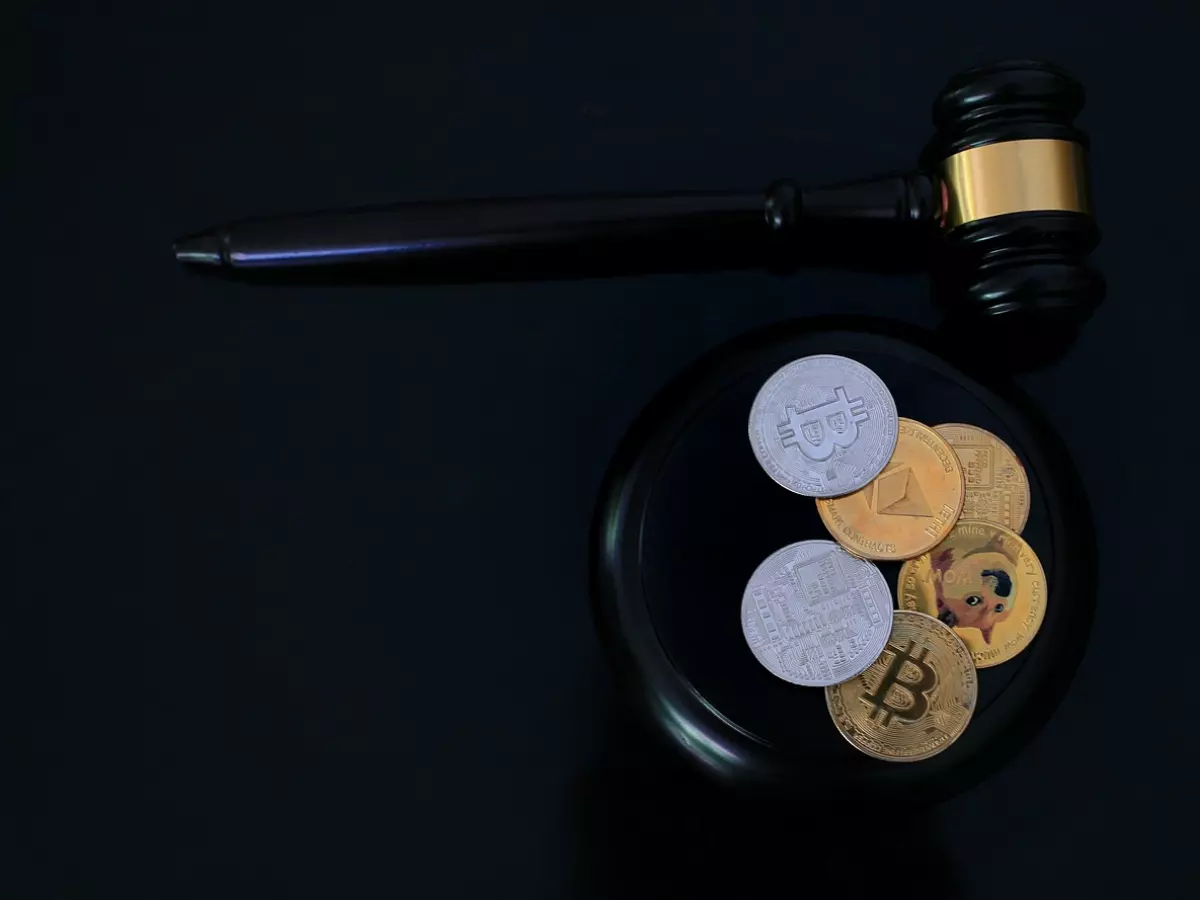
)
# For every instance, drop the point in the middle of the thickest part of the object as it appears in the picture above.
(816, 615)
(823, 426)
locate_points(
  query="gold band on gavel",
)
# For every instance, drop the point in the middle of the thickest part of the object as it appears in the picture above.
(1014, 176)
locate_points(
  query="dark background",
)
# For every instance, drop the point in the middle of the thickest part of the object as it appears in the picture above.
(298, 599)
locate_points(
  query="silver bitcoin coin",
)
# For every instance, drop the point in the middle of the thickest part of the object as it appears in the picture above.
(823, 426)
(816, 615)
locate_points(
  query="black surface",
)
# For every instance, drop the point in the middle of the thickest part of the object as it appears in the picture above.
(686, 513)
(297, 598)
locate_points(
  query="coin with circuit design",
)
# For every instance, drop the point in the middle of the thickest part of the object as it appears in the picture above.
(997, 486)
(909, 507)
(823, 426)
(915, 700)
(986, 583)
(814, 615)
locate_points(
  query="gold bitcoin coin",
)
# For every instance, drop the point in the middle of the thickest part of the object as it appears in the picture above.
(915, 700)
(986, 583)
(997, 488)
(909, 507)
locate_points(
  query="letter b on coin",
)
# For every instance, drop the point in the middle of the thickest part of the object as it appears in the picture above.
(818, 430)
(917, 691)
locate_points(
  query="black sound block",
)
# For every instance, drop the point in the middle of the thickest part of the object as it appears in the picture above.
(686, 514)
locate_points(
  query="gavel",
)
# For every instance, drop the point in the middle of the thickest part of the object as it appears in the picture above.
(998, 211)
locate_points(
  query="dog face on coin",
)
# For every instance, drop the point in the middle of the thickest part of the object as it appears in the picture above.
(975, 591)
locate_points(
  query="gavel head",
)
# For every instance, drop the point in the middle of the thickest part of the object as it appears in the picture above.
(1016, 223)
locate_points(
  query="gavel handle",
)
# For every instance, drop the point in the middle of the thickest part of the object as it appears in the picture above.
(783, 226)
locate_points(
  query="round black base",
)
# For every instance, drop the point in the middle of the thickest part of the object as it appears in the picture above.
(686, 514)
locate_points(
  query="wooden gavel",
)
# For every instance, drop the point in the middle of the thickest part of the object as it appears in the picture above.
(998, 211)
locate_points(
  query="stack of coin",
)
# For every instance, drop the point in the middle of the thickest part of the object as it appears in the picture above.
(950, 501)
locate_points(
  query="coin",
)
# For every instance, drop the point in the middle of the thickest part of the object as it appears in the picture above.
(915, 700)
(997, 488)
(986, 583)
(909, 507)
(823, 426)
(815, 615)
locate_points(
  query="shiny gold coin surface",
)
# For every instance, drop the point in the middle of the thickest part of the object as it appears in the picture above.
(986, 583)
(997, 487)
(909, 507)
(915, 700)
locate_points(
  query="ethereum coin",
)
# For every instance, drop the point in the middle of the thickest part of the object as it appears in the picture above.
(909, 507)
(815, 615)
(823, 426)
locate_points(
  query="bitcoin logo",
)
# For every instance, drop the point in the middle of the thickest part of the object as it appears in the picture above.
(918, 691)
(824, 427)
(925, 691)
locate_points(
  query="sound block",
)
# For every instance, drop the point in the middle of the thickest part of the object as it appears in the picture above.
(686, 514)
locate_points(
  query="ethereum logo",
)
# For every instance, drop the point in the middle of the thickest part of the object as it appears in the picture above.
(896, 493)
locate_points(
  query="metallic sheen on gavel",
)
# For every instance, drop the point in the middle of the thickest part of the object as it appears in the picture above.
(998, 211)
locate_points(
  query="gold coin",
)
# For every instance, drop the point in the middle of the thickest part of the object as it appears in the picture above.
(915, 700)
(986, 583)
(997, 488)
(909, 507)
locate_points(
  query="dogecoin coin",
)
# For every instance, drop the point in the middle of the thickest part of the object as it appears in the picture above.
(915, 700)
(986, 583)
(909, 507)
(997, 487)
